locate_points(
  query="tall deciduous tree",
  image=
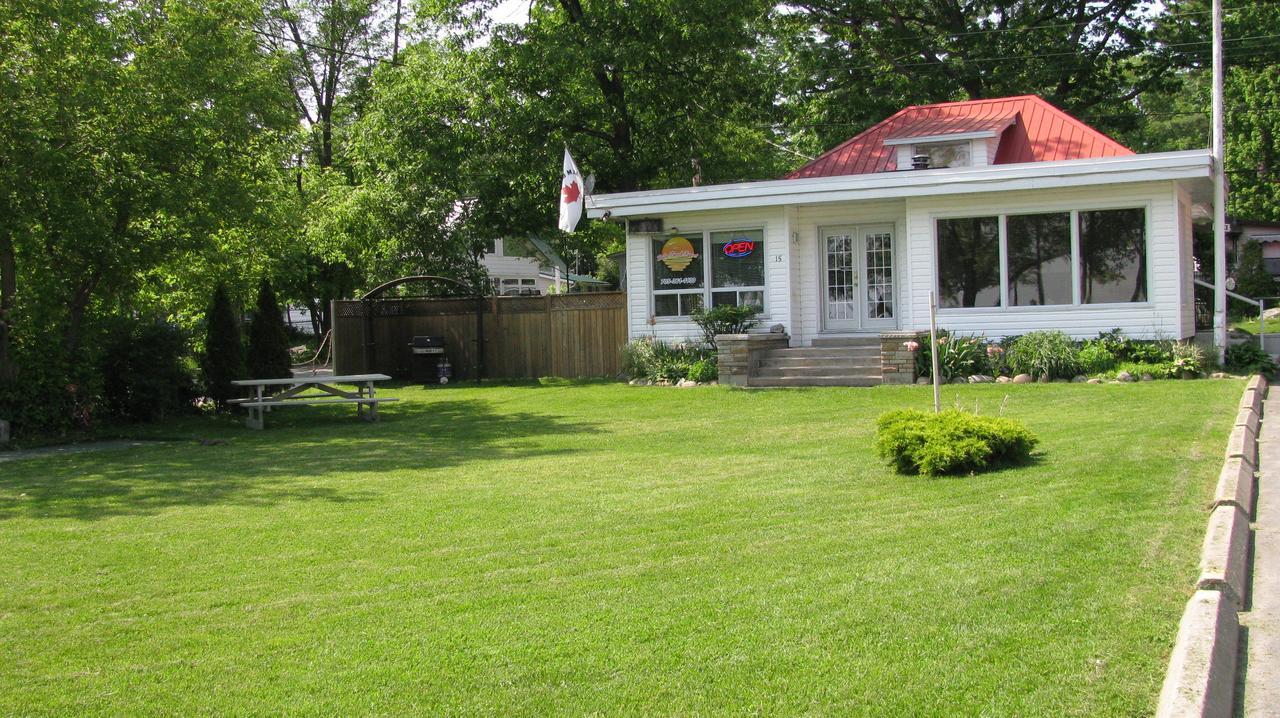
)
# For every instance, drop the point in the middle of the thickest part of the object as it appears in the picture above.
(854, 62)
(134, 132)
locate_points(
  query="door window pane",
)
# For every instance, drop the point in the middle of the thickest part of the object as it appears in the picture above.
(1039, 259)
(968, 262)
(879, 279)
(737, 259)
(1113, 256)
(677, 262)
(666, 305)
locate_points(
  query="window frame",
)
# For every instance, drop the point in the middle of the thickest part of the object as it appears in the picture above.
(703, 236)
(1073, 210)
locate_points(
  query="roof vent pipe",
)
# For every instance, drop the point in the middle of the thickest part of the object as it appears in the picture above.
(919, 162)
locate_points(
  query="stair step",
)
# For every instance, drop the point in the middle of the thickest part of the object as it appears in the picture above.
(824, 352)
(823, 369)
(847, 342)
(837, 380)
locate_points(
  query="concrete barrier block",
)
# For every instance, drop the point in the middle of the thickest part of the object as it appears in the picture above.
(1235, 486)
(1243, 444)
(1201, 677)
(1248, 417)
(1257, 383)
(1223, 559)
(1252, 399)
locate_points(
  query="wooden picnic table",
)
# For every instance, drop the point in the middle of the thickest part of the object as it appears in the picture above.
(311, 390)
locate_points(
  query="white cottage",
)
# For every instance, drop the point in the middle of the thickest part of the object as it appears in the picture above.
(1017, 215)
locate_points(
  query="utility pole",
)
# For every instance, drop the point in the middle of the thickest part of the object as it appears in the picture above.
(1219, 194)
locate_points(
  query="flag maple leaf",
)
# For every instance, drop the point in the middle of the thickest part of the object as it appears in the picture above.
(571, 192)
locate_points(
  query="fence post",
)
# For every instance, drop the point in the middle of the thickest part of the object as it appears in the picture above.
(1262, 324)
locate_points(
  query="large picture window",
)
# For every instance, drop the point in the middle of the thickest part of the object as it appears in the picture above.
(1044, 259)
(1113, 256)
(969, 262)
(692, 270)
(1039, 251)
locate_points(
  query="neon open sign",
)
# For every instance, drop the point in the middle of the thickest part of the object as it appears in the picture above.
(739, 248)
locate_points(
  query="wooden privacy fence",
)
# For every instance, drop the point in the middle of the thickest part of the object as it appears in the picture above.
(564, 335)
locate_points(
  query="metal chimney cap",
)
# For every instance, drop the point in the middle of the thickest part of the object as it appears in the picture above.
(919, 162)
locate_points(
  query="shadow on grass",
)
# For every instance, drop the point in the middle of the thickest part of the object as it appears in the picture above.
(300, 448)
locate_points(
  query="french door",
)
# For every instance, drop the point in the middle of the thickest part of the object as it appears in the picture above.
(857, 277)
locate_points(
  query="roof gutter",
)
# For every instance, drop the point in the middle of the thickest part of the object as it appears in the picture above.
(1192, 164)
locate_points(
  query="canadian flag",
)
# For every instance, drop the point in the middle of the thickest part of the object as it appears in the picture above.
(571, 194)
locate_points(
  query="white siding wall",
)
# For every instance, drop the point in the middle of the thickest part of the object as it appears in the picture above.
(1186, 263)
(1159, 317)
(777, 263)
(807, 259)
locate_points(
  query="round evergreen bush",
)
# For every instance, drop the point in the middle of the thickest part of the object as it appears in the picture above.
(951, 442)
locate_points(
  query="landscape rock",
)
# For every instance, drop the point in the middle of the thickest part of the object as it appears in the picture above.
(1124, 376)
(1219, 375)
(980, 379)
(1022, 379)
(922, 380)
(1003, 380)
(1079, 379)
(687, 383)
(1148, 377)
(1095, 381)
(1044, 379)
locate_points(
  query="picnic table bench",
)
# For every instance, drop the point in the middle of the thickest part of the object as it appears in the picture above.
(311, 390)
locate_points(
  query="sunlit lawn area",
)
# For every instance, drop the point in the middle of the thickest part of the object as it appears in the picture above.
(574, 549)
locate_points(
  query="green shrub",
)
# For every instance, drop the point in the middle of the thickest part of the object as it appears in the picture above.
(1125, 349)
(724, 319)
(951, 442)
(958, 355)
(1249, 359)
(1157, 370)
(1188, 357)
(223, 360)
(1042, 353)
(1095, 358)
(268, 354)
(144, 371)
(704, 370)
(656, 360)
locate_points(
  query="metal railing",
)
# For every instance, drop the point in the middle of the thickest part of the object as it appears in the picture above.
(1261, 304)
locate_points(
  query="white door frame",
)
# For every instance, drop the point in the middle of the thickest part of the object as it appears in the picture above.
(857, 310)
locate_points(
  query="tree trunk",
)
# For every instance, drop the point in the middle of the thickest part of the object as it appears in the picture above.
(8, 295)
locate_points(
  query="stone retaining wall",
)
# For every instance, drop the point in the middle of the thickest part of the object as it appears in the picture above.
(738, 354)
(897, 363)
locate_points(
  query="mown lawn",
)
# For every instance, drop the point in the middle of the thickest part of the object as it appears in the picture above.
(599, 548)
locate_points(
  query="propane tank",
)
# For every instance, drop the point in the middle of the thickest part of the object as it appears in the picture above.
(444, 371)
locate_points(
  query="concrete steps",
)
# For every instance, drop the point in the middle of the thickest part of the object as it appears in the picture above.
(837, 361)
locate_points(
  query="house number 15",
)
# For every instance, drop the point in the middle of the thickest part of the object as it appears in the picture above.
(777, 257)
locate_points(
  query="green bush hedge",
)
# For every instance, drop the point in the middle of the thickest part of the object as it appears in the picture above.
(1249, 359)
(656, 360)
(951, 442)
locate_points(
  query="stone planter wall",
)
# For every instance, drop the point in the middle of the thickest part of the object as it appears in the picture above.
(739, 354)
(897, 363)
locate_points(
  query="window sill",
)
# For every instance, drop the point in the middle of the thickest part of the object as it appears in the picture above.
(1113, 306)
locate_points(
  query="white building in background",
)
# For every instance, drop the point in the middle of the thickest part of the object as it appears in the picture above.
(1018, 216)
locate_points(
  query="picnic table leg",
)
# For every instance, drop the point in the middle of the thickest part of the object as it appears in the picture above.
(373, 406)
(359, 404)
(255, 420)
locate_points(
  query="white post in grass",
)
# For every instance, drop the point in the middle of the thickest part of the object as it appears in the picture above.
(933, 351)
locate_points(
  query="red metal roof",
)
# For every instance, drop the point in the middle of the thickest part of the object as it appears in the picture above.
(1029, 130)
